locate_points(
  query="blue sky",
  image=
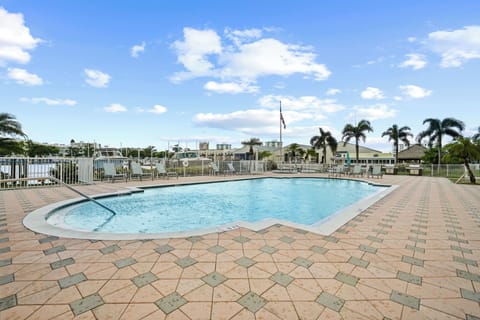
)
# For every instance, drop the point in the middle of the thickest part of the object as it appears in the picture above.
(139, 73)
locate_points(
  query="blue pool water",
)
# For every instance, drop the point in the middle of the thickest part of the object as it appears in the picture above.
(189, 207)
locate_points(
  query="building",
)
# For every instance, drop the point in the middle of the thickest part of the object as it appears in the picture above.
(413, 154)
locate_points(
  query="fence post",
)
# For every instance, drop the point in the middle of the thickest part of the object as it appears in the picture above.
(431, 172)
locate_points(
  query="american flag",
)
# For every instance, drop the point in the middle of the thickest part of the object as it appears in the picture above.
(281, 118)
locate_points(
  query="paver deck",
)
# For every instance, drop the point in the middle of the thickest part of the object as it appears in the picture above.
(412, 255)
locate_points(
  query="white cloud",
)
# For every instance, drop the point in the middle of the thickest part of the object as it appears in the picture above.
(416, 92)
(158, 109)
(374, 112)
(415, 61)
(50, 102)
(97, 78)
(397, 98)
(22, 76)
(456, 47)
(304, 103)
(136, 49)
(372, 93)
(115, 107)
(411, 39)
(229, 87)
(15, 38)
(248, 57)
(332, 91)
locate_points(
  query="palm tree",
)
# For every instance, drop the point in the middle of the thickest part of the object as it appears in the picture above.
(476, 136)
(358, 132)
(252, 142)
(9, 129)
(466, 150)
(324, 140)
(398, 134)
(437, 129)
(294, 150)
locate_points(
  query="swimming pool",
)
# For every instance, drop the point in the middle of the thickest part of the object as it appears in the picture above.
(302, 201)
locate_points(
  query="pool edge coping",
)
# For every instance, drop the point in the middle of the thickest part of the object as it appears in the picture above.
(36, 220)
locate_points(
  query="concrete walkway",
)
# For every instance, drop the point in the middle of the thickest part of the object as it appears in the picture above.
(412, 255)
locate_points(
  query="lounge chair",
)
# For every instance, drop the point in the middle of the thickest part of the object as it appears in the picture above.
(357, 170)
(377, 171)
(111, 173)
(230, 168)
(215, 169)
(137, 171)
(339, 170)
(161, 171)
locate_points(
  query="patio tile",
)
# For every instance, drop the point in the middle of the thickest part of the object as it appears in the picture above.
(470, 295)
(5, 250)
(217, 249)
(241, 239)
(252, 301)
(48, 239)
(465, 261)
(331, 239)
(6, 279)
(71, 280)
(3, 240)
(164, 249)
(417, 239)
(319, 250)
(122, 263)
(8, 302)
(268, 249)
(86, 304)
(405, 299)
(408, 277)
(3, 231)
(300, 231)
(358, 262)
(374, 239)
(468, 275)
(282, 278)
(170, 303)
(263, 231)
(245, 262)
(5, 262)
(464, 250)
(330, 301)
(414, 261)
(110, 249)
(302, 262)
(287, 239)
(385, 225)
(418, 232)
(62, 263)
(144, 279)
(346, 278)
(471, 317)
(214, 279)
(414, 248)
(194, 239)
(458, 240)
(186, 262)
(54, 250)
(367, 248)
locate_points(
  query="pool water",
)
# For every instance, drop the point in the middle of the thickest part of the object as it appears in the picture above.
(198, 206)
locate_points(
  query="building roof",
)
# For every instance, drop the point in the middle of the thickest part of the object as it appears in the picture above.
(414, 152)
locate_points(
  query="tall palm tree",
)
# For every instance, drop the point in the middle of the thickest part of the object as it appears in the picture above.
(322, 141)
(9, 129)
(396, 134)
(252, 142)
(437, 129)
(466, 150)
(476, 136)
(358, 132)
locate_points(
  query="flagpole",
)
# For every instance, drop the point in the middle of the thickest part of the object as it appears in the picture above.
(281, 144)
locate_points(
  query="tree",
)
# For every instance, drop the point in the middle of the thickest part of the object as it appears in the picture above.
(437, 129)
(10, 129)
(357, 132)
(476, 136)
(324, 140)
(465, 149)
(294, 150)
(37, 149)
(396, 134)
(251, 143)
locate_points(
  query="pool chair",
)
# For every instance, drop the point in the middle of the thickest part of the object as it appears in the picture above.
(230, 168)
(377, 171)
(137, 171)
(161, 171)
(215, 169)
(357, 170)
(339, 170)
(111, 173)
